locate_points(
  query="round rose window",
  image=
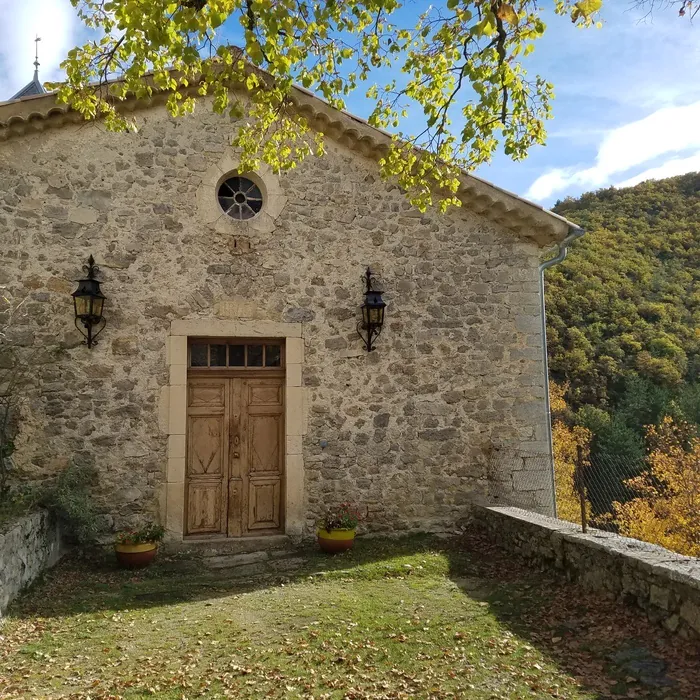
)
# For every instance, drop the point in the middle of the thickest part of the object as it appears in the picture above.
(240, 198)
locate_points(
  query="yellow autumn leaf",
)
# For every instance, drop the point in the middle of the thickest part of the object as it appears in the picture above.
(507, 13)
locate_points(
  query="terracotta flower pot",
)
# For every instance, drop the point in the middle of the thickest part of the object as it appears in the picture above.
(135, 556)
(335, 541)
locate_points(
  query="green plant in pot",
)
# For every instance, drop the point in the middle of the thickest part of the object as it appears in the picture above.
(137, 548)
(336, 530)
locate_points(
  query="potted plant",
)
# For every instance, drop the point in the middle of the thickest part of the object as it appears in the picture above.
(336, 530)
(137, 548)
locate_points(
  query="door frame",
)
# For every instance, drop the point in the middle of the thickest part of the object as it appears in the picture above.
(174, 414)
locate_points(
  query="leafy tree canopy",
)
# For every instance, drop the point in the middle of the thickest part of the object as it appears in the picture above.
(461, 61)
(624, 311)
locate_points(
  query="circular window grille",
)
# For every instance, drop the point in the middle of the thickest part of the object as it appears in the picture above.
(240, 198)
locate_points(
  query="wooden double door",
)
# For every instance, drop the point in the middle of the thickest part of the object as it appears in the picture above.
(235, 455)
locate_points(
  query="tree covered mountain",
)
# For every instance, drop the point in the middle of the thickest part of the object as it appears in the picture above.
(623, 311)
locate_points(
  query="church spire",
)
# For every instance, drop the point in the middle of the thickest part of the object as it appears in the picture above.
(35, 87)
(36, 58)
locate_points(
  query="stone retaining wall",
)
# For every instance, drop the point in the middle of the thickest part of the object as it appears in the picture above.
(28, 547)
(663, 584)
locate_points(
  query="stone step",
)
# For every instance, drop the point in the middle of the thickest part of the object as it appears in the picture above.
(249, 557)
(254, 564)
(227, 561)
(208, 547)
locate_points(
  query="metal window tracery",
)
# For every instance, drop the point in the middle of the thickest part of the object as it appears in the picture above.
(240, 198)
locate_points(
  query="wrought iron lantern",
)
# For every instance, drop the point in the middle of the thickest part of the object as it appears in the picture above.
(89, 301)
(372, 314)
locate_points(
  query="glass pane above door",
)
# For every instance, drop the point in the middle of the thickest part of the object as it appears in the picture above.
(254, 355)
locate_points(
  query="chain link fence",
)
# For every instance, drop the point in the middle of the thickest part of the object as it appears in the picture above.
(621, 495)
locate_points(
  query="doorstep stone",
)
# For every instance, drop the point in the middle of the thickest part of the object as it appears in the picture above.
(227, 561)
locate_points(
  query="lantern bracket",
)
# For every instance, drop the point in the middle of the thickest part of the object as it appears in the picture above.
(93, 324)
(89, 333)
(372, 323)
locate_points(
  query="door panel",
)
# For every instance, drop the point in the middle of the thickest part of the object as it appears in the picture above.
(265, 458)
(207, 393)
(205, 447)
(264, 394)
(204, 507)
(264, 454)
(264, 504)
(207, 453)
(235, 455)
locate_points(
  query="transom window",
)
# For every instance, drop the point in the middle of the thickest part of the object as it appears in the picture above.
(235, 355)
(240, 198)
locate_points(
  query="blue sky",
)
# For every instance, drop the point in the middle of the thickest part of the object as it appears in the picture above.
(627, 104)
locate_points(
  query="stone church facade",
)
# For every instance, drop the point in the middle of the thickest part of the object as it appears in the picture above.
(229, 394)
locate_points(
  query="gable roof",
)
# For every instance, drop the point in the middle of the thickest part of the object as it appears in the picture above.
(30, 112)
(32, 88)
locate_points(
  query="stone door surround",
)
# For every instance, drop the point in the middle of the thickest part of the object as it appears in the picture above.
(180, 331)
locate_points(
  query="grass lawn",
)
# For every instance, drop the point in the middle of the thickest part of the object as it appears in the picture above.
(411, 618)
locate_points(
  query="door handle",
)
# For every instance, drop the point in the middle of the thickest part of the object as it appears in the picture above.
(236, 455)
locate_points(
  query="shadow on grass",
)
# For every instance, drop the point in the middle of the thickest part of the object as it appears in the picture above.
(586, 636)
(95, 583)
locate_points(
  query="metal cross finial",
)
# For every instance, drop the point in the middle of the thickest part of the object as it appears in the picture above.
(36, 57)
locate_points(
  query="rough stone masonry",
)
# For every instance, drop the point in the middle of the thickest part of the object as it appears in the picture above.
(408, 427)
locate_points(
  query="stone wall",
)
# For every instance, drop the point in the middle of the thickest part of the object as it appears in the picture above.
(27, 547)
(663, 584)
(408, 427)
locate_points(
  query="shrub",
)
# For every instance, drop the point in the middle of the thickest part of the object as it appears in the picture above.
(69, 498)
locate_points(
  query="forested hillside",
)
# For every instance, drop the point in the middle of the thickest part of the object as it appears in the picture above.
(624, 311)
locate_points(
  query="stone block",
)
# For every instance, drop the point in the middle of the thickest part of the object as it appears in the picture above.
(127, 345)
(690, 613)
(176, 468)
(82, 215)
(178, 374)
(175, 508)
(293, 373)
(660, 596)
(295, 351)
(177, 410)
(177, 353)
(227, 561)
(294, 444)
(294, 410)
(176, 447)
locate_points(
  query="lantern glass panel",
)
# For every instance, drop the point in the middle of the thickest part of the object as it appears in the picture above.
(82, 305)
(97, 303)
(365, 315)
(375, 315)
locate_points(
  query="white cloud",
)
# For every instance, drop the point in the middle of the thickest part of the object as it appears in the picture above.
(553, 181)
(665, 131)
(55, 21)
(675, 166)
